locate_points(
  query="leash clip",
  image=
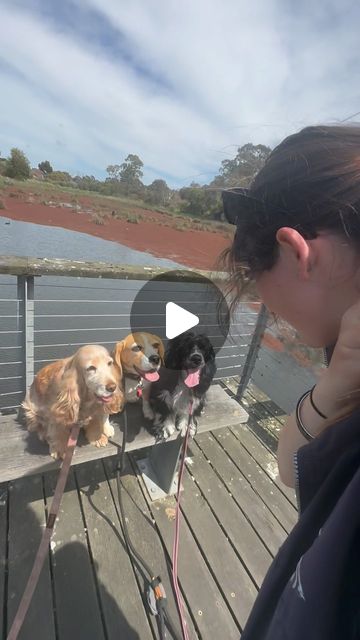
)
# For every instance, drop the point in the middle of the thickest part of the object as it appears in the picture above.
(156, 596)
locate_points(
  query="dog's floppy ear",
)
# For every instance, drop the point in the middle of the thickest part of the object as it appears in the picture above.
(161, 347)
(67, 405)
(116, 354)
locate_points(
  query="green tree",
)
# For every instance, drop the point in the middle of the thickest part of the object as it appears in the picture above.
(60, 177)
(45, 167)
(17, 165)
(88, 183)
(158, 193)
(114, 171)
(199, 201)
(240, 171)
(131, 173)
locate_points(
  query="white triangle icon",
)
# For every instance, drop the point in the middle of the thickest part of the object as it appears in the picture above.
(178, 320)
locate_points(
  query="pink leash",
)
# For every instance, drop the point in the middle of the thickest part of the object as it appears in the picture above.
(175, 553)
(46, 536)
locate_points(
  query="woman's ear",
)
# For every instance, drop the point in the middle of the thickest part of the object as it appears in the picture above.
(67, 405)
(161, 349)
(295, 250)
(116, 354)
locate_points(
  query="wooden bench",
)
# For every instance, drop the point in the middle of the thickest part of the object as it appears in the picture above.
(22, 453)
(48, 308)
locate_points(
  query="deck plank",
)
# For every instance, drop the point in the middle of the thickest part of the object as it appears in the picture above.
(253, 554)
(264, 458)
(267, 402)
(262, 484)
(234, 582)
(145, 537)
(267, 421)
(234, 474)
(124, 614)
(3, 554)
(257, 434)
(268, 438)
(77, 605)
(26, 522)
(262, 414)
(210, 611)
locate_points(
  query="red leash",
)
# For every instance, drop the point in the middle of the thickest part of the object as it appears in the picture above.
(46, 536)
(175, 554)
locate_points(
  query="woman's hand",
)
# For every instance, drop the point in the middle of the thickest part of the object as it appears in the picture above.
(336, 394)
(338, 390)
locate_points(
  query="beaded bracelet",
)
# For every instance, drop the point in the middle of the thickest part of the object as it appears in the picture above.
(300, 425)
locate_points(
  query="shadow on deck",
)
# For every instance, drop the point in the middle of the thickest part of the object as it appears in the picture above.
(236, 514)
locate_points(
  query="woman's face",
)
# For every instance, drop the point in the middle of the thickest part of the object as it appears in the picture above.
(311, 286)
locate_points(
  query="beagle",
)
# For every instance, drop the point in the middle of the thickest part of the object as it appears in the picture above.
(139, 356)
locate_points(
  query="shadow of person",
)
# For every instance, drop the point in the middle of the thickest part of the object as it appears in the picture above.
(84, 606)
(72, 600)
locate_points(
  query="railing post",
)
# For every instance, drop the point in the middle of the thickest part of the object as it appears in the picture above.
(25, 294)
(253, 350)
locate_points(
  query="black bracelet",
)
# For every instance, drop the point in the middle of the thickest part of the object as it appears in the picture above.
(314, 405)
(300, 425)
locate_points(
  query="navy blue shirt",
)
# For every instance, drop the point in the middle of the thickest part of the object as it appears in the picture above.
(312, 589)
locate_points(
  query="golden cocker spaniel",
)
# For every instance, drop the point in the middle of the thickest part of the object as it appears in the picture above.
(84, 388)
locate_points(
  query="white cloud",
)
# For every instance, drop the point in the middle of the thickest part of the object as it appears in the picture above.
(228, 69)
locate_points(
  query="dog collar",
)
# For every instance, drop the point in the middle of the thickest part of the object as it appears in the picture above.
(139, 386)
(133, 376)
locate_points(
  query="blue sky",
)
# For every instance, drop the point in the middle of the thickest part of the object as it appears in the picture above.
(180, 83)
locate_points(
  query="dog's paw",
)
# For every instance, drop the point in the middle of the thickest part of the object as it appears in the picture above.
(100, 442)
(56, 454)
(183, 427)
(193, 429)
(168, 429)
(109, 430)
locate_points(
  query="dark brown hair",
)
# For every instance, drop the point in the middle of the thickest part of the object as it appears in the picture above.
(310, 182)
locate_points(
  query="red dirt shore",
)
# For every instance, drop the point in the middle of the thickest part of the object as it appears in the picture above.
(193, 248)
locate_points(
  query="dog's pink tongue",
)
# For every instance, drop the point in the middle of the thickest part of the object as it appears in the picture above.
(193, 378)
(151, 376)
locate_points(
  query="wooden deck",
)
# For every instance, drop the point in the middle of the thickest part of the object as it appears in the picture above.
(236, 514)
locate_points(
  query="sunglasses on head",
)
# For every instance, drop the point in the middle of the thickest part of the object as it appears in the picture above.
(238, 204)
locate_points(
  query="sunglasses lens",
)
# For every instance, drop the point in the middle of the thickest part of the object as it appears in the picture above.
(235, 204)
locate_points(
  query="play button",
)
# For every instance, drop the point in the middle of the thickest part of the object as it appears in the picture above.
(178, 320)
(178, 301)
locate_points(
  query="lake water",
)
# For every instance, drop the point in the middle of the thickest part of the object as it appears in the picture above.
(40, 241)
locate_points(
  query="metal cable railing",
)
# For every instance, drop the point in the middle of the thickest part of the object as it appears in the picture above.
(46, 318)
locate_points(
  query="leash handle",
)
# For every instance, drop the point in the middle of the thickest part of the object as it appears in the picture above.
(46, 537)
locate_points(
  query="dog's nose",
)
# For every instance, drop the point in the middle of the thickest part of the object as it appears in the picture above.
(110, 387)
(196, 359)
(154, 359)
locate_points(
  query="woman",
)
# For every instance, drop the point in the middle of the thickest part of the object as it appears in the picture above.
(298, 241)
